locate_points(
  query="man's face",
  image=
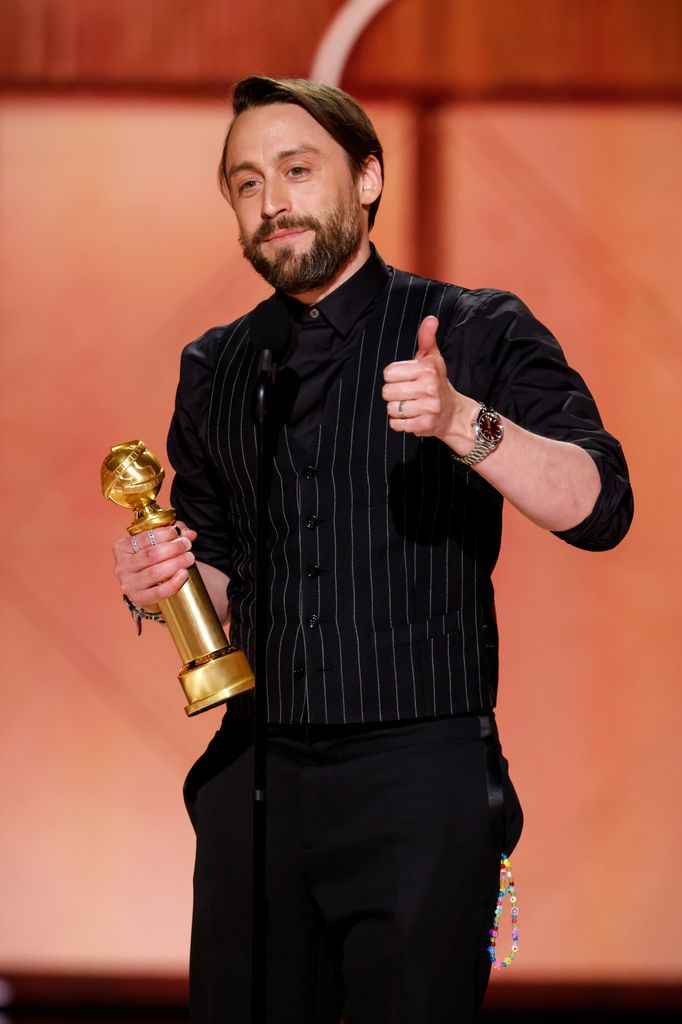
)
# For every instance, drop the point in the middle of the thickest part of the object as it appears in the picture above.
(297, 204)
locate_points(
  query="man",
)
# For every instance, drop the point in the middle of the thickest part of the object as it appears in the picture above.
(406, 410)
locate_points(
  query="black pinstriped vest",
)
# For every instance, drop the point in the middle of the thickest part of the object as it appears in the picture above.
(382, 545)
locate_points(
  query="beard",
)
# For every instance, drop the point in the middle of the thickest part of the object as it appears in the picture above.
(336, 239)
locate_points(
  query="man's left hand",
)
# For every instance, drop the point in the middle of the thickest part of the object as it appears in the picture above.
(421, 400)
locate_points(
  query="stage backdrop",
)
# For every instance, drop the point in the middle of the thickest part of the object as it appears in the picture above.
(116, 250)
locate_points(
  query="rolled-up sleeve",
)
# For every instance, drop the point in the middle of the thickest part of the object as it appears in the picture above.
(197, 492)
(520, 370)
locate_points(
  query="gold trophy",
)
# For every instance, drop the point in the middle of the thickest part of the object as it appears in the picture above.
(212, 670)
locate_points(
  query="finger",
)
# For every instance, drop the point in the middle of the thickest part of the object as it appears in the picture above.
(157, 553)
(157, 535)
(424, 387)
(134, 561)
(420, 425)
(171, 544)
(426, 337)
(405, 370)
(144, 580)
(154, 564)
(132, 543)
(404, 409)
(151, 539)
(185, 530)
(399, 424)
(149, 598)
(162, 564)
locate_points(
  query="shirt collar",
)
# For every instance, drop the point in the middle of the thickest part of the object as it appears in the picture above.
(342, 307)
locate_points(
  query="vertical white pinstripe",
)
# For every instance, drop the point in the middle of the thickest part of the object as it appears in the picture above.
(453, 484)
(406, 577)
(416, 535)
(272, 619)
(243, 420)
(352, 517)
(305, 709)
(396, 350)
(447, 581)
(283, 627)
(478, 649)
(421, 503)
(433, 528)
(321, 626)
(461, 601)
(242, 433)
(369, 501)
(336, 585)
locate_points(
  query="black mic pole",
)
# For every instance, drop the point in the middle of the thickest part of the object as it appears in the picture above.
(259, 907)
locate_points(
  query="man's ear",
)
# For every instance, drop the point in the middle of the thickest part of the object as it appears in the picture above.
(371, 181)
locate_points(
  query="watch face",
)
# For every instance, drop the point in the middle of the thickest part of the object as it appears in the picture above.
(490, 425)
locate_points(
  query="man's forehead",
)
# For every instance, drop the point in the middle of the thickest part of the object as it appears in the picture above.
(276, 128)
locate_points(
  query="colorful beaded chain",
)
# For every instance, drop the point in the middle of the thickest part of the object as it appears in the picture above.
(139, 614)
(506, 886)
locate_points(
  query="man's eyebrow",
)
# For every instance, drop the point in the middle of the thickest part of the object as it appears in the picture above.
(244, 166)
(298, 151)
(285, 154)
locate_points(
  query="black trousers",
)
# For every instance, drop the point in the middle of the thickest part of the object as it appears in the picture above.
(383, 847)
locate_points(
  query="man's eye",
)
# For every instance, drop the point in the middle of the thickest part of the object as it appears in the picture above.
(297, 172)
(246, 186)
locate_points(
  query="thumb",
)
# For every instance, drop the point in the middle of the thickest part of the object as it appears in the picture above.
(426, 338)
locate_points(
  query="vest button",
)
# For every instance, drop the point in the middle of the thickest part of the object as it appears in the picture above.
(313, 621)
(314, 313)
(299, 671)
(309, 473)
(311, 522)
(313, 571)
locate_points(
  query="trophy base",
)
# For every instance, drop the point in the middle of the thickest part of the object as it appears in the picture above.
(216, 681)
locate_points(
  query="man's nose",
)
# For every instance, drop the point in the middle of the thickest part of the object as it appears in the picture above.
(274, 199)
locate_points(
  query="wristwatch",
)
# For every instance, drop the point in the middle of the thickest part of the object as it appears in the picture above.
(489, 430)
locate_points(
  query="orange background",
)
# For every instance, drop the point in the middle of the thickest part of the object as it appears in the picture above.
(116, 249)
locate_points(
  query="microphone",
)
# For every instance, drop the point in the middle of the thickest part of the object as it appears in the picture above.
(270, 329)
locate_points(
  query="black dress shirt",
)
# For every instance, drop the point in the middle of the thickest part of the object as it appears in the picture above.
(324, 336)
(382, 545)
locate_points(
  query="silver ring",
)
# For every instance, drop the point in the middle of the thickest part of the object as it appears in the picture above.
(400, 408)
(134, 545)
(152, 538)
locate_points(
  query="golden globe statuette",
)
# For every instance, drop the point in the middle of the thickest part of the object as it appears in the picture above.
(212, 671)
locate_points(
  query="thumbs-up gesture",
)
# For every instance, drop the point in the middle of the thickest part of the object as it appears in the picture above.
(419, 397)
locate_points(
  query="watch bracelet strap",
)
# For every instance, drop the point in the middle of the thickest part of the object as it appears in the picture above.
(482, 446)
(477, 453)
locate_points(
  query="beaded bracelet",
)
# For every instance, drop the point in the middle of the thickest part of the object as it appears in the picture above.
(139, 614)
(506, 886)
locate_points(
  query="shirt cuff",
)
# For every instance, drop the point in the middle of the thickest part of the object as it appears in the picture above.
(610, 519)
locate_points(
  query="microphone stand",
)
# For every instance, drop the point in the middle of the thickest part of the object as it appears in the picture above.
(266, 374)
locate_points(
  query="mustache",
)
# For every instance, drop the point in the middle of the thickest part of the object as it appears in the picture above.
(284, 223)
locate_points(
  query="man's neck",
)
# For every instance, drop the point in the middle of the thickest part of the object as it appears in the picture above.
(357, 260)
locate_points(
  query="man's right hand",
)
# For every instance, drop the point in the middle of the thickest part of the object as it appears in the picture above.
(158, 569)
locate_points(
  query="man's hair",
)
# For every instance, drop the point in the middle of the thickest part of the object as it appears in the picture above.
(333, 109)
